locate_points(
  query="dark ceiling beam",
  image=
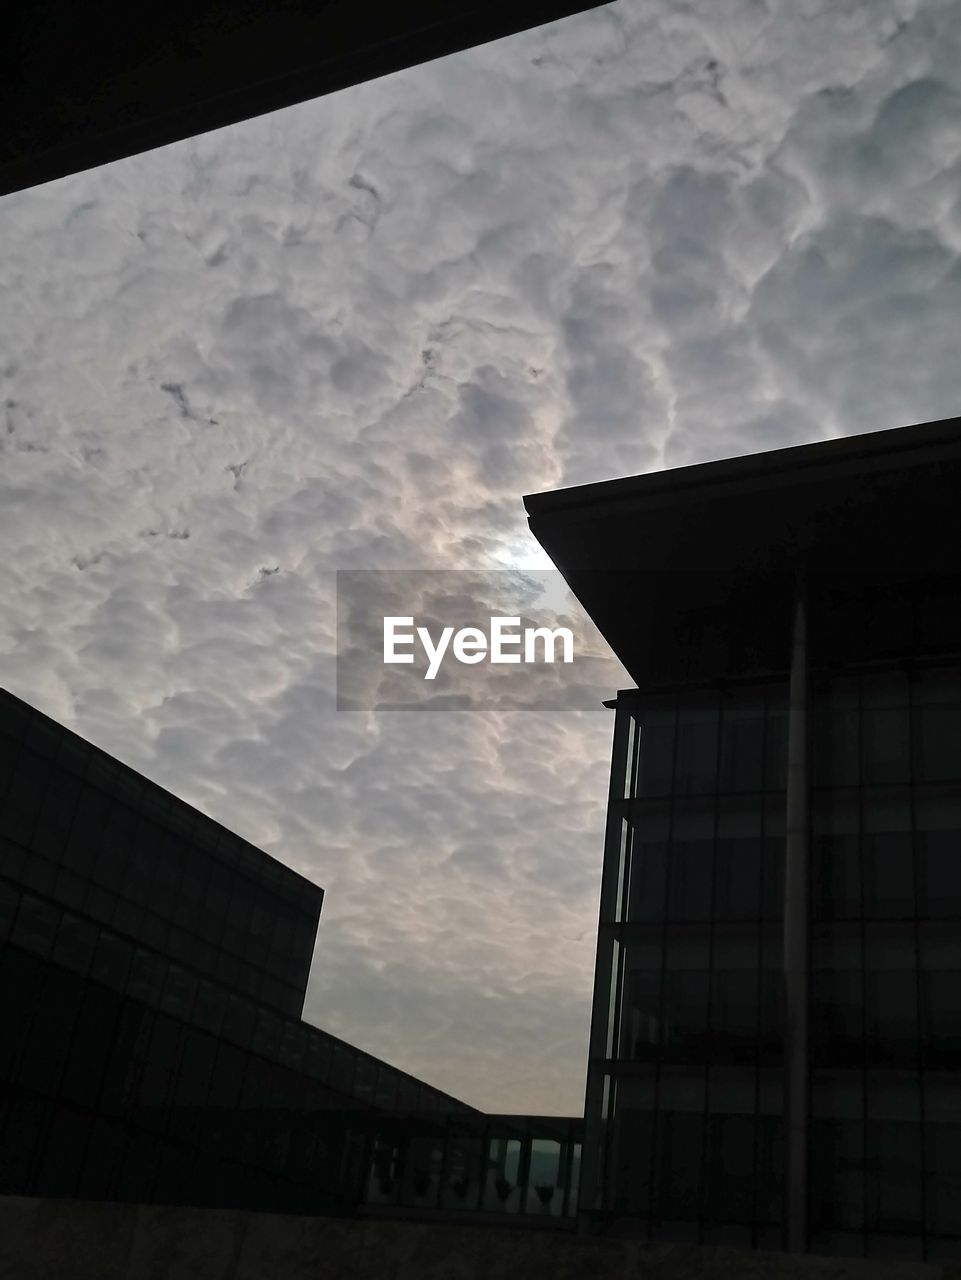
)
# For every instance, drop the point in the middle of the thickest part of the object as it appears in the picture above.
(85, 84)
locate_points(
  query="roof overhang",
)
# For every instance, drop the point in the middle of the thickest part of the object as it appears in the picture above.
(728, 537)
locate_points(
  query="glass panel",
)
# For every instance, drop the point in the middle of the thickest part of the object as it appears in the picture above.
(383, 1182)
(940, 953)
(146, 976)
(894, 1153)
(640, 1020)
(544, 1190)
(891, 1013)
(885, 738)
(937, 725)
(735, 994)
(942, 1153)
(421, 1185)
(772, 871)
(686, 988)
(656, 753)
(697, 736)
(775, 741)
(36, 925)
(742, 744)
(691, 862)
(938, 838)
(729, 1191)
(837, 1163)
(648, 873)
(632, 1145)
(838, 993)
(501, 1191)
(836, 855)
(772, 994)
(836, 735)
(770, 1174)
(732, 1091)
(737, 875)
(75, 945)
(678, 1161)
(112, 960)
(464, 1162)
(837, 1150)
(888, 857)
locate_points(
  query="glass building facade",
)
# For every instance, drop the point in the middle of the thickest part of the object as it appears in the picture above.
(774, 1056)
(685, 1094)
(152, 972)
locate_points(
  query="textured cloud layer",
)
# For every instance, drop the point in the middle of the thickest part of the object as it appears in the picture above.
(351, 335)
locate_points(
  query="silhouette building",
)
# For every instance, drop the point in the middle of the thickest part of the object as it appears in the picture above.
(152, 975)
(151, 985)
(775, 1052)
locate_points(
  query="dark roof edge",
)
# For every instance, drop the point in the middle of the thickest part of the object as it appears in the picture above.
(870, 445)
(289, 871)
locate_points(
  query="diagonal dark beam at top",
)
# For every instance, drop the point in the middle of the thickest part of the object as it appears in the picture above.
(85, 84)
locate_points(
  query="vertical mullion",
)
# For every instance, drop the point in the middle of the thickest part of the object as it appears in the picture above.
(759, 952)
(705, 1120)
(593, 1180)
(653, 1199)
(919, 985)
(862, 934)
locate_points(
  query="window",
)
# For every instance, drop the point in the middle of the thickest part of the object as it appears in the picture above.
(940, 952)
(891, 1012)
(691, 863)
(501, 1190)
(640, 1020)
(544, 1183)
(75, 944)
(697, 735)
(836, 856)
(656, 753)
(685, 1003)
(742, 746)
(729, 1190)
(648, 871)
(632, 1153)
(36, 925)
(838, 995)
(836, 737)
(775, 741)
(679, 1145)
(937, 720)
(942, 1154)
(737, 873)
(734, 995)
(939, 855)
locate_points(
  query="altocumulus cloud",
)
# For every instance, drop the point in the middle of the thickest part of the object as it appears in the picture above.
(352, 334)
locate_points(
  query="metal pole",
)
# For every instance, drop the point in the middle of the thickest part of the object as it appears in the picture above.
(796, 938)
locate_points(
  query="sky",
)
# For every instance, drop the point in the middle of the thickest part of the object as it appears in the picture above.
(352, 335)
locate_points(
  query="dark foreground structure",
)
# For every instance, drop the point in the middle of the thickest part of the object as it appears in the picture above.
(775, 1055)
(152, 976)
(85, 85)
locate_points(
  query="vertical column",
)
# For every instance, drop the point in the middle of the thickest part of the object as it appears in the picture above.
(796, 939)
(591, 1194)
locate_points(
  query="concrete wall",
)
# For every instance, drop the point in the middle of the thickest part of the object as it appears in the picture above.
(82, 1240)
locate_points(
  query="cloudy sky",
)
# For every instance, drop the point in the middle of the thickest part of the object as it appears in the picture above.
(353, 334)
